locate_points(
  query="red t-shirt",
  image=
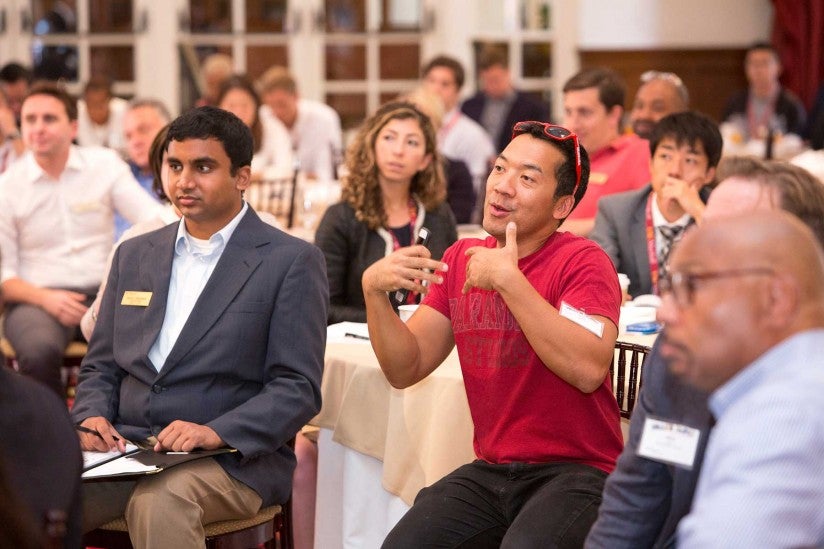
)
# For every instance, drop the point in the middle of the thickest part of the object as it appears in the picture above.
(521, 410)
(623, 165)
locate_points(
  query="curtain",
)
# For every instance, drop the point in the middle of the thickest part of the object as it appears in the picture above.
(798, 35)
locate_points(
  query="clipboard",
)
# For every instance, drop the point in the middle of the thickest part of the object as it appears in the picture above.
(136, 462)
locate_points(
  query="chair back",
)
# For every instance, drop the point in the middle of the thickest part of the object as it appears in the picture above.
(625, 373)
(276, 195)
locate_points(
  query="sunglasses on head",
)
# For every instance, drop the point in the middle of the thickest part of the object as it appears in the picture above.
(556, 133)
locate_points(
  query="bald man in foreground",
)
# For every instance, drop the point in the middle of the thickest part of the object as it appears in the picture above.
(744, 308)
(649, 492)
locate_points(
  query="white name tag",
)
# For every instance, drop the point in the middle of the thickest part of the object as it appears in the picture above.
(581, 319)
(669, 442)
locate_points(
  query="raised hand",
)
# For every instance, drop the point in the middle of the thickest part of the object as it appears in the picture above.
(488, 268)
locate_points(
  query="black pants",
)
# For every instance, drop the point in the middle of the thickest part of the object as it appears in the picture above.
(512, 505)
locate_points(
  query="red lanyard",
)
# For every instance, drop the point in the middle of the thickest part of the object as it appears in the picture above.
(413, 216)
(447, 127)
(411, 297)
(651, 252)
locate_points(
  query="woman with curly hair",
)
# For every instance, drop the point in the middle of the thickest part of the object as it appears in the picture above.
(394, 186)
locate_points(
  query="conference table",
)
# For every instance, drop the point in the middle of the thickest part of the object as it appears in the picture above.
(378, 446)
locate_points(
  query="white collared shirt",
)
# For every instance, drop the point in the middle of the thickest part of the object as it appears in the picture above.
(194, 262)
(658, 220)
(58, 233)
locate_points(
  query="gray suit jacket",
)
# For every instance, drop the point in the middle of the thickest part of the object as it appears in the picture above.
(248, 362)
(644, 500)
(620, 229)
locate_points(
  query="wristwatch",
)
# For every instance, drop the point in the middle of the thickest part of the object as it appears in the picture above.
(13, 135)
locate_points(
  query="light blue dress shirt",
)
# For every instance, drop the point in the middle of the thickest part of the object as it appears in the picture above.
(762, 483)
(193, 264)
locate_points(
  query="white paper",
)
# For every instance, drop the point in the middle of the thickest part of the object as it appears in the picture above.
(121, 466)
(91, 458)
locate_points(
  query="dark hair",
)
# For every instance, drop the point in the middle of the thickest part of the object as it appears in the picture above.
(686, 128)
(240, 82)
(763, 46)
(491, 56)
(58, 92)
(565, 173)
(611, 88)
(156, 152)
(214, 123)
(448, 63)
(99, 82)
(14, 72)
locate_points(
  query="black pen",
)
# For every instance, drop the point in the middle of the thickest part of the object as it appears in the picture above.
(83, 429)
(356, 336)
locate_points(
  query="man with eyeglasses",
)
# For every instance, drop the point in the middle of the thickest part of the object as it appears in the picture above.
(638, 229)
(744, 309)
(660, 94)
(593, 108)
(646, 496)
(533, 314)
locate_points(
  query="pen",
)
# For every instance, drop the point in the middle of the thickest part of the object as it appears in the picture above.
(83, 429)
(356, 336)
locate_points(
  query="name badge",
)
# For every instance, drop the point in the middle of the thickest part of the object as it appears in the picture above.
(136, 299)
(85, 207)
(669, 442)
(581, 319)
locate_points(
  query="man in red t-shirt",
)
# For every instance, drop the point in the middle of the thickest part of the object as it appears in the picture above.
(533, 313)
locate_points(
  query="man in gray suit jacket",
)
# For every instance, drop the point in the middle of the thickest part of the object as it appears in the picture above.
(638, 228)
(211, 333)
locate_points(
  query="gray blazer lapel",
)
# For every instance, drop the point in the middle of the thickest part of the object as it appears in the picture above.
(638, 236)
(236, 265)
(155, 271)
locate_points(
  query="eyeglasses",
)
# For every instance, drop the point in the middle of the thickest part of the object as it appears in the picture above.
(683, 285)
(670, 77)
(556, 133)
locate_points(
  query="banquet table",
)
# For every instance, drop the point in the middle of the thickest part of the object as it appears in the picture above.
(378, 446)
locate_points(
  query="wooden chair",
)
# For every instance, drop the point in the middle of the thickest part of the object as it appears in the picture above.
(276, 196)
(625, 386)
(271, 527)
(72, 358)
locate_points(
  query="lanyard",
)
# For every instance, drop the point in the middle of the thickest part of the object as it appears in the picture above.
(411, 297)
(758, 128)
(651, 252)
(447, 127)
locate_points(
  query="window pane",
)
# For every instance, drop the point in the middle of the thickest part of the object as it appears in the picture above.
(400, 61)
(536, 15)
(350, 106)
(265, 15)
(260, 58)
(110, 15)
(345, 62)
(537, 59)
(117, 62)
(386, 97)
(345, 15)
(54, 16)
(54, 62)
(210, 15)
(400, 15)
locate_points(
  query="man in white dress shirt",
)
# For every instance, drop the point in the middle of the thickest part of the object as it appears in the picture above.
(313, 127)
(460, 137)
(57, 205)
